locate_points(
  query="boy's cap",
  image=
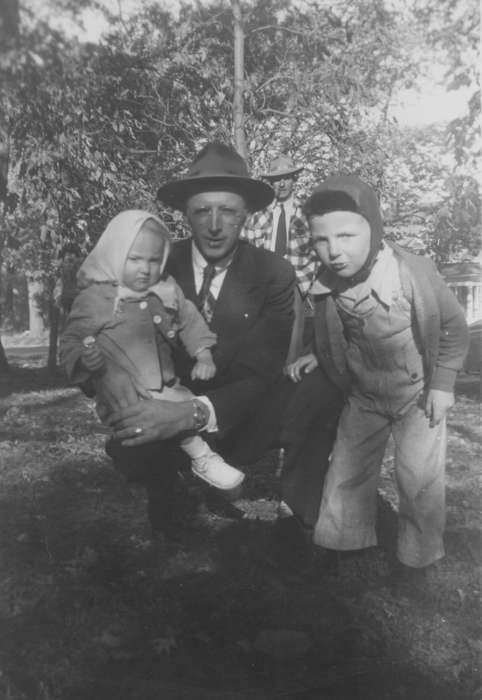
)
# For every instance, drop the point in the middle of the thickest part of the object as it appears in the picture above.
(217, 167)
(349, 193)
(346, 193)
(323, 201)
(282, 165)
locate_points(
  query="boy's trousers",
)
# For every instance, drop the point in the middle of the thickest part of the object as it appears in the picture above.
(348, 509)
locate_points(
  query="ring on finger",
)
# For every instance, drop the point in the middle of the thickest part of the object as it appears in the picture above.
(138, 431)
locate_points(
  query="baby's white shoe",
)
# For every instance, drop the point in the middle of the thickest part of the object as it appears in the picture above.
(215, 471)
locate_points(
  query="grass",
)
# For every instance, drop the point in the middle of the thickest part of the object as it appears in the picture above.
(93, 608)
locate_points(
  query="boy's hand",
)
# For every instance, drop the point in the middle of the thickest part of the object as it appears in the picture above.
(303, 365)
(437, 404)
(92, 358)
(204, 368)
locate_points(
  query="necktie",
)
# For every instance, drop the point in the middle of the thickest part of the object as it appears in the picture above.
(205, 298)
(281, 238)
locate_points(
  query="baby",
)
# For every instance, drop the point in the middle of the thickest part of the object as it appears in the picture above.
(129, 313)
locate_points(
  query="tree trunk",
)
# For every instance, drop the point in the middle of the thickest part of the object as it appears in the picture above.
(238, 102)
(9, 21)
(36, 322)
(54, 317)
(3, 359)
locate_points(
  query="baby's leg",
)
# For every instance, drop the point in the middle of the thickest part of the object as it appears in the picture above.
(205, 463)
(420, 470)
(210, 466)
(348, 507)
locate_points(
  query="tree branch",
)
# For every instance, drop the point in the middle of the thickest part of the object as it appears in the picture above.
(279, 28)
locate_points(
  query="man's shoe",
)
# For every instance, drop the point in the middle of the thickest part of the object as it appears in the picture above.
(293, 550)
(216, 472)
(325, 561)
(170, 507)
(406, 580)
(217, 504)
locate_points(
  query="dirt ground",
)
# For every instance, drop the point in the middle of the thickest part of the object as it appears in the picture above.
(93, 609)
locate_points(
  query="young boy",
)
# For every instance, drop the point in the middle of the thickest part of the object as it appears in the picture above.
(392, 335)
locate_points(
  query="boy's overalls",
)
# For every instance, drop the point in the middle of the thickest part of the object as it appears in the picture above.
(387, 397)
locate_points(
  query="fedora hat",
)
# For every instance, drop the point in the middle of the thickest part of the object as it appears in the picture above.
(282, 165)
(217, 167)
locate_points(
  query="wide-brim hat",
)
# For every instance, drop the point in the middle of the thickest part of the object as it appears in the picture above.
(217, 167)
(282, 165)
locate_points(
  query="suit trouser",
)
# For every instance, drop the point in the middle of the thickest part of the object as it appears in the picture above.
(308, 431)
(300, 417)
(156, 466)
(348, 509)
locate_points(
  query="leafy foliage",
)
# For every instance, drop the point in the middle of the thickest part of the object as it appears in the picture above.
(90, 129)
(432, 179)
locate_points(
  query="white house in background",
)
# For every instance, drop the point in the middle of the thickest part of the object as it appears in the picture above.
(465, 280)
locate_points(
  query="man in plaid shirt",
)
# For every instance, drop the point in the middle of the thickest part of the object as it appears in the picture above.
(262, 227)
(283, 229)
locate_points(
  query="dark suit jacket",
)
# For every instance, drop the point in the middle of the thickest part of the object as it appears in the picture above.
(252, 318)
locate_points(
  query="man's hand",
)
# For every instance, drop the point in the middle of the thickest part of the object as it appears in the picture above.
(115, 388)
(204, 368)
(151, 420)
(303, 365)
(437, 404)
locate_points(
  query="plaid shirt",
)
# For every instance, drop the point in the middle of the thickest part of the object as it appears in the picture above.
(259, 230)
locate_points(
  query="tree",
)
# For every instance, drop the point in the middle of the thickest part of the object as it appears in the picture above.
(422, 191)
(9, 21)
(452, 35)
(432, 177)
(238, 100)
(93, 129)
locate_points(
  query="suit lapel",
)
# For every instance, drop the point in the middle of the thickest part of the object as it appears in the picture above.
(238, 287)
(238, 305)
(182, 268)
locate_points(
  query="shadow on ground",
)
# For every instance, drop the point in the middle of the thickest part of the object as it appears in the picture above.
(93, 608)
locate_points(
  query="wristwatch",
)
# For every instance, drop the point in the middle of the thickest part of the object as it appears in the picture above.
(200, 414)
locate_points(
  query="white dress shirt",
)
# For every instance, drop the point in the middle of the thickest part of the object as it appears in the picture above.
(289, 208)
(199, 263)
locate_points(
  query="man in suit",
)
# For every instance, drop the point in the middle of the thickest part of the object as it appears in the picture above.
(246, 296)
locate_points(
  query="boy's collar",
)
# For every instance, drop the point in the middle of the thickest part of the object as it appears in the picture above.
(382, 279)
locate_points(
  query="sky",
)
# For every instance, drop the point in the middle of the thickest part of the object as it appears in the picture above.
(430, 104)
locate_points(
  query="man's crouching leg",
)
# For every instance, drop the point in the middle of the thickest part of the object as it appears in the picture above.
(156, 466)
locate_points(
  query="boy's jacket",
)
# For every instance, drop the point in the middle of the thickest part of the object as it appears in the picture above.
(439, 325)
